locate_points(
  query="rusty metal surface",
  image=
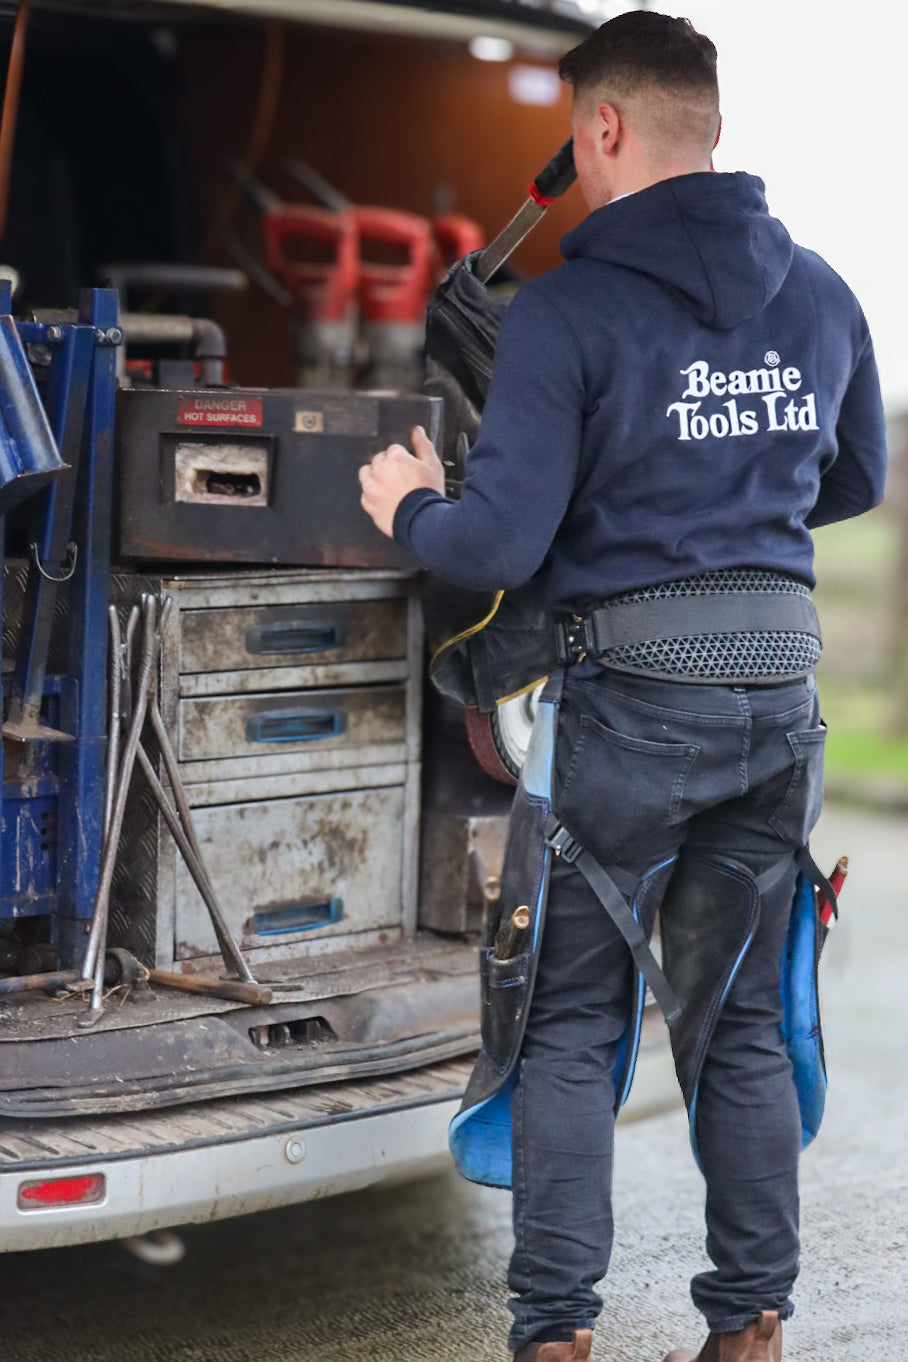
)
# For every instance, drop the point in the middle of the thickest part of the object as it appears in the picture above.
(222, 609)
(313, 444)
(213, 588)
(263, 637)
(459, 853)
(265, 857)
(275, 782)
(331, 974)
(388, 1029)
(240, 726)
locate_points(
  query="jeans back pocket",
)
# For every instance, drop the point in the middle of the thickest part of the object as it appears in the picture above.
(799, 808)
(619, 790)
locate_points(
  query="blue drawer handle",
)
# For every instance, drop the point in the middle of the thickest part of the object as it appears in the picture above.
(295, 636)
(299, 917)
(295, 725)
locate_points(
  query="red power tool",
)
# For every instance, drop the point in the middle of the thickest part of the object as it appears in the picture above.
(393, 296)
(455, 236)
(323, 291)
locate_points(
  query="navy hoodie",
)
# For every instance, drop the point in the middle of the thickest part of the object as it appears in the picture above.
(689, 391)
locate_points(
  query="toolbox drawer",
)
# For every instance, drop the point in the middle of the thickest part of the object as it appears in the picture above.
(291, 721)
(324, 632)
(289, 870)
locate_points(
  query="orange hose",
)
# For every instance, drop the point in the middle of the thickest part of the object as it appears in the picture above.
(262, 125)
(11, 110)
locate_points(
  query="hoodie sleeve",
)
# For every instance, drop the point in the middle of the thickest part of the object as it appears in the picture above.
(854, 482)
(522, 469)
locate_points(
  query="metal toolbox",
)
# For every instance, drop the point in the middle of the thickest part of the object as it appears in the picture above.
(301, 765)
(242, 476)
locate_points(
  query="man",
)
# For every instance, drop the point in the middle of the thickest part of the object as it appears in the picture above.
(671, 412)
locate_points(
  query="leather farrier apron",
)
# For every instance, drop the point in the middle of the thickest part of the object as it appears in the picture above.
(691, 993)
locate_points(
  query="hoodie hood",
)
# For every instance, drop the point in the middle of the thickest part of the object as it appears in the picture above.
(708, 238)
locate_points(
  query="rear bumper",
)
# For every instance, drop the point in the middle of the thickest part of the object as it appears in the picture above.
(220, 1159)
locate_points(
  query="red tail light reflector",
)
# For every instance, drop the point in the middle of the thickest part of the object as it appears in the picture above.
(84, 1190)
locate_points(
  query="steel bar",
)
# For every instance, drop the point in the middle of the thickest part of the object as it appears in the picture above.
(113, 736)
(33, 983)
(94, 954)
(507, 240)
(229, 949)
(184, 830)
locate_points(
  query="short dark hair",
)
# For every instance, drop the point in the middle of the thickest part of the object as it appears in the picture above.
(642, 48)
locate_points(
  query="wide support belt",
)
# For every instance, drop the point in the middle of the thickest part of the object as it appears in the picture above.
(635, 622)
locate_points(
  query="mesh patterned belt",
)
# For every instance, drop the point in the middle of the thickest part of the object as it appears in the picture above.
(733, 625)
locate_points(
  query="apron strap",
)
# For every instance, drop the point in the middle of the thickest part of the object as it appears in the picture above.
(615, 904)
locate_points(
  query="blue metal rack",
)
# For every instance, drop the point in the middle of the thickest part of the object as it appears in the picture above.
(52, 769)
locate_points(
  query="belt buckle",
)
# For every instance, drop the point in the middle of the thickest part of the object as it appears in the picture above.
(570, 640)
(563, 844)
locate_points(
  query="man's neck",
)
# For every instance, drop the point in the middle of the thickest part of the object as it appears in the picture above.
(644, 176)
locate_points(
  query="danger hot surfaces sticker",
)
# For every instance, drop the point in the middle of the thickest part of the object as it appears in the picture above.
(208, 409)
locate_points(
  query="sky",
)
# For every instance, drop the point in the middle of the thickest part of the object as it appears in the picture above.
(814, 102)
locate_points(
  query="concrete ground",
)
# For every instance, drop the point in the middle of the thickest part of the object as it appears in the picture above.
(415, 1274)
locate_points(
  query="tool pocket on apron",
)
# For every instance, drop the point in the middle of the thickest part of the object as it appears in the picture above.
(503, 993)
(506, 984)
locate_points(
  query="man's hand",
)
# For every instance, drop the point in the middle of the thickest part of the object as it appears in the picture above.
(394, 472)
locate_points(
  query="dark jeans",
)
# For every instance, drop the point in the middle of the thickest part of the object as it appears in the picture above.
(647, 770)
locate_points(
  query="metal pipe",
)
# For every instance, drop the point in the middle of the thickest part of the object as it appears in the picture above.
(210, 351)
(113, 736)
(94, 955)
(164, 328)
(179, 821)
(33, 983)
(229, 949)
(180, 278)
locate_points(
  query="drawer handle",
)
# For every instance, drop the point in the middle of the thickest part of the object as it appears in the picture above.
(295, 725)
(299, 917)
(296, 636)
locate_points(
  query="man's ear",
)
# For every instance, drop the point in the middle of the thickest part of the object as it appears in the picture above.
(609, 127)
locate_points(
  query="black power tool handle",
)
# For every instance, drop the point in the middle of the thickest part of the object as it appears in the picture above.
(558, 175)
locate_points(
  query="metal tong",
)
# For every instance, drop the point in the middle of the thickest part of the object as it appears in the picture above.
(132, 706)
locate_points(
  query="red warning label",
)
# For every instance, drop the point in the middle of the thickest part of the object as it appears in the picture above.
(209, 409)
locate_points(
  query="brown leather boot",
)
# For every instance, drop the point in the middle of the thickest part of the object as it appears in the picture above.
(578, 1351)
(759, 1342)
